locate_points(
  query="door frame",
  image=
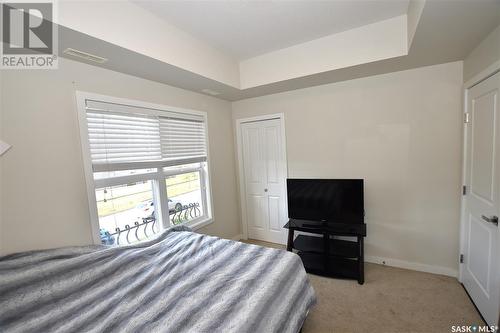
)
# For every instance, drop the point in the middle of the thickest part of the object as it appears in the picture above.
(480, 77)
(241, 168)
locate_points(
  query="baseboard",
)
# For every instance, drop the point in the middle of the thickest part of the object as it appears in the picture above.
(413, 266)
(237, 237)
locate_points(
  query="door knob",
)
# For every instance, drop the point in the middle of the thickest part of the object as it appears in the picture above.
(493, 219)
(265, 190)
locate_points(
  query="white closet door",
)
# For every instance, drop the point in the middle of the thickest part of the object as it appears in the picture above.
(265, 177)
(481, 271)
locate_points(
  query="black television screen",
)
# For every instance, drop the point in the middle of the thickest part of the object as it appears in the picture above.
(331, 200)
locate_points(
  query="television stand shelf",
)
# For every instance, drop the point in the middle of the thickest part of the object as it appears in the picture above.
(326, 256)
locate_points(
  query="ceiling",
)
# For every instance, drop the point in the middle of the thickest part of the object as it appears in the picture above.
(447, 31)
(245, 29)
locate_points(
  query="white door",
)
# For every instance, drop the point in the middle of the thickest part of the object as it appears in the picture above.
(264, 167)
(481, 270)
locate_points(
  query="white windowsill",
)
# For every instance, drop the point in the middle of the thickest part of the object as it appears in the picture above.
(199, 224)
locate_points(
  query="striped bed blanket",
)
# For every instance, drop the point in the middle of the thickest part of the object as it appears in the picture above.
(179, 282)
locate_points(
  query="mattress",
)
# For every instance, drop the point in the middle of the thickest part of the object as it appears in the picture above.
(179, 282)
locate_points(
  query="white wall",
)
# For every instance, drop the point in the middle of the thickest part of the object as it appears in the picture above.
(44, 195)
(415, 9)
(130, 26)
(377, 41)
(485, 54)
(401, 132)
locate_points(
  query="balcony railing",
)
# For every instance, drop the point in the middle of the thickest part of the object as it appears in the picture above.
(188, 212)
(140, 231)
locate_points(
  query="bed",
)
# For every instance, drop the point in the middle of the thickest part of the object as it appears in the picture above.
(179, 282)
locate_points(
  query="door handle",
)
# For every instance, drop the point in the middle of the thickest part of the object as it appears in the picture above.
(265, 190)
(493, 219)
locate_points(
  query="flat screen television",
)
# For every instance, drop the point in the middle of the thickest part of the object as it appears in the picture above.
(330, 200)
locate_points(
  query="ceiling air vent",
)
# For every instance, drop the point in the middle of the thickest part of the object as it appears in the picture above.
(85, 55)
(210, 92)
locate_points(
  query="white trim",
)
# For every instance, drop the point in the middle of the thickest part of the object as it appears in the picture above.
(415, 266)
(483, 75)
(87, 166)
(169, 173)
(139, 104)
(207, 171)
(120, 180)
(241, 170)
(118, 166)
(197, 224)
(464, 183)
(162, 211)
(241, 180)
(261, 118)
(91, 184)
(478, 78)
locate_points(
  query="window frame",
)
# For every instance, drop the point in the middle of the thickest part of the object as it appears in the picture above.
(158, 177)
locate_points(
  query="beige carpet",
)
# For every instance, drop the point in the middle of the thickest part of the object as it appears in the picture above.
(391, 300)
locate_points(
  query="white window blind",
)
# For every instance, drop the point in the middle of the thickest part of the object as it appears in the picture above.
(129, 137)
(181, 138)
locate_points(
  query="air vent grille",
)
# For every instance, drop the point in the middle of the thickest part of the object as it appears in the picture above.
(210, 92)
(85, 55)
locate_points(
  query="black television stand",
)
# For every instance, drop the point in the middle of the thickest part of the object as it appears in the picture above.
(328, 256)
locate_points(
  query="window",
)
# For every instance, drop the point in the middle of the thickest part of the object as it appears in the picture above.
(146, 167)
